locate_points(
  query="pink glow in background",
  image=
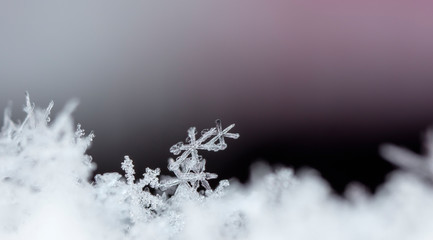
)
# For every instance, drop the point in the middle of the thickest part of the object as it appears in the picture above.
(332, 73)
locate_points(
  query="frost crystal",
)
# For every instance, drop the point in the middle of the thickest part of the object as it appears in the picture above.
(189, 167)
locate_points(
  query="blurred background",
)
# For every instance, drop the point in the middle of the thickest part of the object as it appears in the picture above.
(318, 84)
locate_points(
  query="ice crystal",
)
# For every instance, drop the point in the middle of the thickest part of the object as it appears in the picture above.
(189, 167)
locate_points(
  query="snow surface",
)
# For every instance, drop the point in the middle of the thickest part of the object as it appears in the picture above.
(46, 193)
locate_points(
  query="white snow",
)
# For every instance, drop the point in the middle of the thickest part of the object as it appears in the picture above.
(46, 193)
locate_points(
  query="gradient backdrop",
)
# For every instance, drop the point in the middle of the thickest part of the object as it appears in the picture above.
(308, 83)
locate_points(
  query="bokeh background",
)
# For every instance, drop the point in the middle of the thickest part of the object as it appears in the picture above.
(317, 84)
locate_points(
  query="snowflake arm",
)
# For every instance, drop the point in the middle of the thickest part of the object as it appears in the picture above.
(128, 167)
(150, 178)
(412, 162)
(200, 144)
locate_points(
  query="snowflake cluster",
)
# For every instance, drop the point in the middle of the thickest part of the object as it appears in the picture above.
(189, 170)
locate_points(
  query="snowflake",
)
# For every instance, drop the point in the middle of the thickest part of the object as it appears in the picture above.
(418, 164)
(189, 167)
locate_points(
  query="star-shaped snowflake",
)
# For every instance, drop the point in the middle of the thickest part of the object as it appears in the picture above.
(189, 167)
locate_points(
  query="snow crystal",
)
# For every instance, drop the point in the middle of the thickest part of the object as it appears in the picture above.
(189, 167)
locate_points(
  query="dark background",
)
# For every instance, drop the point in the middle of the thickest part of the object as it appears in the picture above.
(309, 83)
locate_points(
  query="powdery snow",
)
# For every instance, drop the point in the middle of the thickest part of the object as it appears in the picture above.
(46, 193)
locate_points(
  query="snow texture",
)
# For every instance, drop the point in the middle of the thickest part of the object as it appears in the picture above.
(46, 193)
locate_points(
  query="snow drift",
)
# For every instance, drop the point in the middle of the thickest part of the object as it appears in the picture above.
(46, 193)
